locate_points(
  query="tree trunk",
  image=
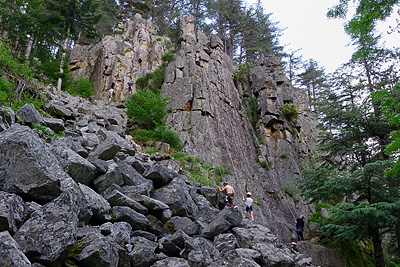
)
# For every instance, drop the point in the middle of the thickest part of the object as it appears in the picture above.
(29, 47)
(64, 53)
(378, 251)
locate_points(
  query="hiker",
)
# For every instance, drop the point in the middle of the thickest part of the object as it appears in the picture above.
(299, 228)
(294, 248)
(249, 205)
(130, 84)
(111, 93)
(229, 191)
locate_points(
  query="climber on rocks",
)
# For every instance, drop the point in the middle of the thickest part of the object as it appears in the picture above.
(111, 93)
(299, 228)
(249, 205)
(229, 191)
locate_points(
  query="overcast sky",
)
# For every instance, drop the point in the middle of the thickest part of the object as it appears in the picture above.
(307, 27)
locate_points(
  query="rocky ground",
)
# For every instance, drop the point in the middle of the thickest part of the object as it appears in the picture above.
(92, 198)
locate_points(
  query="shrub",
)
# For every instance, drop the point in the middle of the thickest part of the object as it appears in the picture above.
(144, 135)
(143, 82)
(242, 72)
(168, 56)
(82, 87)
(254, 112)
(284, 155)
(147, 108)
(290, 111)
(171, 137)
(290, 190)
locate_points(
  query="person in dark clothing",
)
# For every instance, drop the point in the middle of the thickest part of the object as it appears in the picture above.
(294, 247)
(130, 84)
(300, 227)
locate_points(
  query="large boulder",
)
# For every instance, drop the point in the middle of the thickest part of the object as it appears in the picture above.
(176, 196)
(226, 219)
(96, 250)
(80, 169)
(143, 252)
(10, 252)
(117, 198)
(29, 114)
(137, 220)
(27, 166)
(119, 232)
(133, 178)
(57, 125)
(13, 211)
(185, 224)
(254, 234)
(99, 207)
(112, 144)
(226, 242)
(200, 252)
(113, 176)
(159, 174)
(50, 233)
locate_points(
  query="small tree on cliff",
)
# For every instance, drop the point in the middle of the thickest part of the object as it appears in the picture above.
(147, 108)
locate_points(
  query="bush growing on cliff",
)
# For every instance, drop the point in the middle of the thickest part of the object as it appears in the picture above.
(154, 80)
(290, 111)
(171, 137)
(147, 108)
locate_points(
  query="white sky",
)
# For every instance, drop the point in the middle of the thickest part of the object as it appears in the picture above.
(307, 27)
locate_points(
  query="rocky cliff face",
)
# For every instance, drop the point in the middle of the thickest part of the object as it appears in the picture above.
(133, 50)
(91, 198)
(208, 111)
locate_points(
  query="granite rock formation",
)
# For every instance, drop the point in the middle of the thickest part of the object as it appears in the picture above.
(48, 217)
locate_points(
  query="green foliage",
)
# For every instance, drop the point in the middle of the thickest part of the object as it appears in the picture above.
(119, 31)
(284, 155)
(147, 108)
(390, 104)
(317, 217)
(290, 111)
(159, 39)
(82, 87)
(291, 191)
(199, 171)
(13, 76)
(168, 56)
(253, 112)
(75, 251)
(154, 80)
(241, 74)
(122, 53)
(44, 129)
(263, 165)
(171, 137)
(143, 82)
(145, 135)
(152, 150)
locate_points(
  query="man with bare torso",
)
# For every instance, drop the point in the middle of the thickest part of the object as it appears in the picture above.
(229, 191)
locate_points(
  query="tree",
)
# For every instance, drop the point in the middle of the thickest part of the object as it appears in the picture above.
(293, 65)
(147, 108)
(75, 18)
(313, 78)
(371, 205)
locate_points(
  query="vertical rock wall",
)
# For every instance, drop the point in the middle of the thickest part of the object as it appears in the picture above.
(133, 50)
(208, 111)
